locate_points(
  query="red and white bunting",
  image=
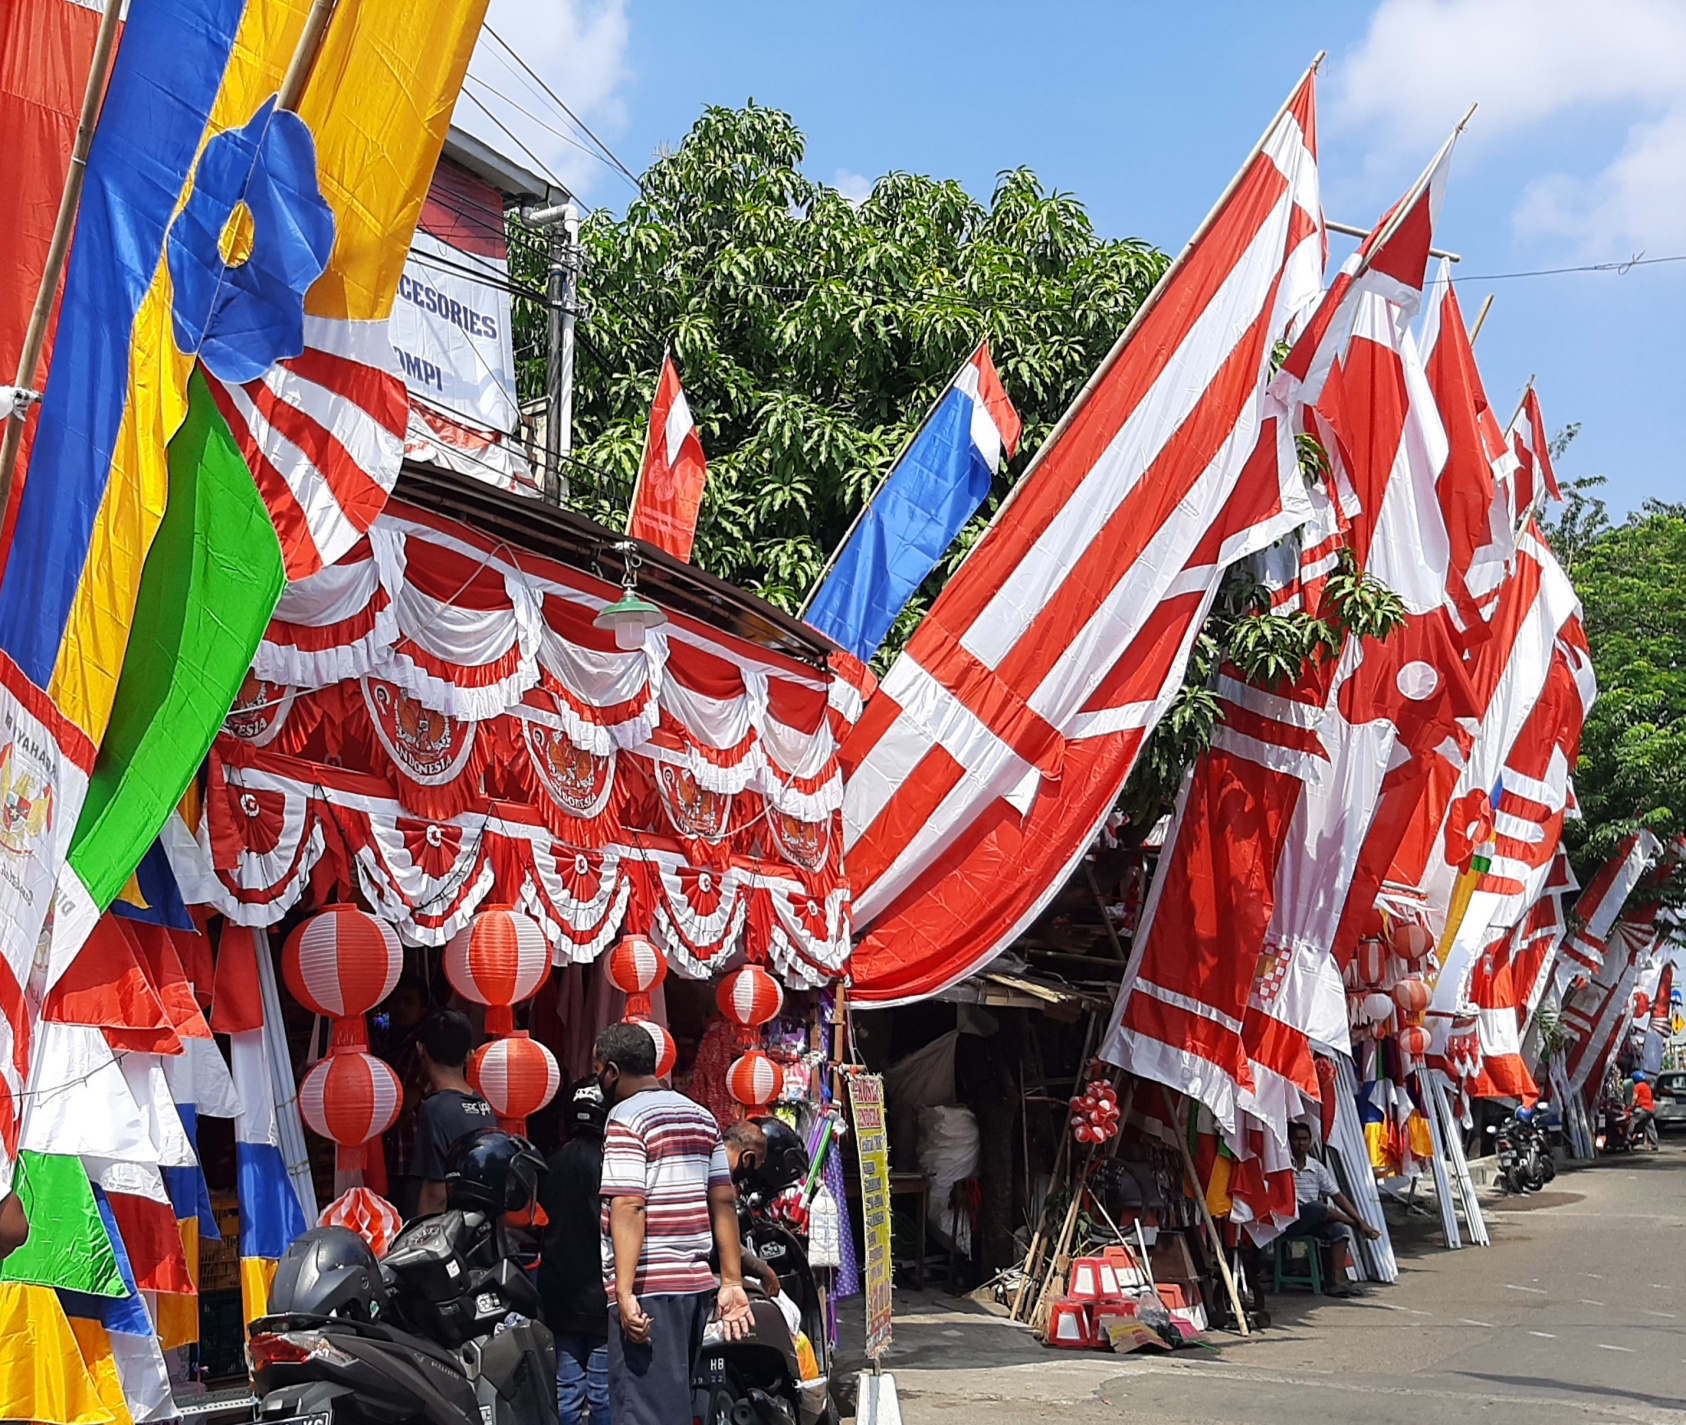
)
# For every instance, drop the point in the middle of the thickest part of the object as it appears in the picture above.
(983, 766)
(1604, 898)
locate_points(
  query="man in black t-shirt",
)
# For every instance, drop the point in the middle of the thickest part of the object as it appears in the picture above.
(576, 1308)
(451, 1110)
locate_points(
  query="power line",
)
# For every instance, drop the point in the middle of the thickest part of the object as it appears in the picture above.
(631, 177)
(548, 128)
(1619, 268)
(543, 167)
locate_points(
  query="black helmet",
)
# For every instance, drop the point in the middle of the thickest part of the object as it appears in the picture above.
(492, 1171)
(586, 1108)
(328, 1271)
(786, 1162)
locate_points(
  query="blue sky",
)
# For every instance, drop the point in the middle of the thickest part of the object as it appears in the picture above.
(1577, 155)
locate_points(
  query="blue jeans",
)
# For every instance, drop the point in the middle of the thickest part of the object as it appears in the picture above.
(582, 1379)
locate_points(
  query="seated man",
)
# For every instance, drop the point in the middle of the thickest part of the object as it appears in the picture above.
(1644, 1111)
(1325, 1212)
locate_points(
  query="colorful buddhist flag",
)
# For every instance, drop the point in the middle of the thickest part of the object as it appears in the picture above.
(223, 414)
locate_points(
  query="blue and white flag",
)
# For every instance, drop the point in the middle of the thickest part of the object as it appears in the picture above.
(908, 525)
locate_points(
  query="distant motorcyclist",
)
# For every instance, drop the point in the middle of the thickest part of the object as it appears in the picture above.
(1644, 1105)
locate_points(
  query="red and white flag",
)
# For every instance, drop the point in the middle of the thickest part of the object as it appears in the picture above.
(1599, 1012)
(1537, 940)
(1417, 789)
(1508, 672)
(1232, 976)
(669, 493)
(998, 742)
(1602, 901)
(1523, 829)
(1480, 535)
(1533, 480)
(1496, 997)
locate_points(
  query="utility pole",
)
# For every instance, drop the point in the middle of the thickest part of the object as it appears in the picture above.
(561, 297)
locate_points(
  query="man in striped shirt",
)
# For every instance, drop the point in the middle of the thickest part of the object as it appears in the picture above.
(667, 1198)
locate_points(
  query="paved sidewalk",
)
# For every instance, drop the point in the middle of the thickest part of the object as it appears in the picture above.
(1576, 1312)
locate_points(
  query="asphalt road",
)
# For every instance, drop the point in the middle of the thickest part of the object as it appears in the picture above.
(1576, 1312)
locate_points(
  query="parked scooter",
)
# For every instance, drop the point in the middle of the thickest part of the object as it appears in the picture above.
(441, 1330)
(1524, 1152)
(757, 1379)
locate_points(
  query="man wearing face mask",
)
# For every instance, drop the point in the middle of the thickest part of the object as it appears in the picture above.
(667, 1199)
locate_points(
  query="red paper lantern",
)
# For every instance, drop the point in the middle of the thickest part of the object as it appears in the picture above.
(342, 963)
(667, 1052)
(350, 1097)
(1414, 1040)
(1372, 962)
(517, 1076)
(497, 959)
(1412, 942)
(749, 997)
(1412, 995)
(753, 1080)
(635, 967)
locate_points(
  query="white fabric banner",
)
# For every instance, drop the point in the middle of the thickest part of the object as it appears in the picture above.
(450, 331)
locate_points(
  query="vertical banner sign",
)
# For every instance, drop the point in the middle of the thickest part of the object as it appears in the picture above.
(866, 1098)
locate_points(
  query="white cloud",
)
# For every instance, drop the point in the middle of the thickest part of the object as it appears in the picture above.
(578, 47)
(1526, 61)
(852, 186)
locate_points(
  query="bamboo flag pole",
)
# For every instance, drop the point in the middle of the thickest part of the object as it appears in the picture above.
(304, 55)
(1206, 1216)
(1522, 401)
(35, 335)
(1480, 317)
(1039, 1238)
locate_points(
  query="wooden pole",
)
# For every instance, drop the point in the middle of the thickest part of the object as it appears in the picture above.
(304, 55)
(1480, 317)
(35, 335)
(1206, 1216)
(1106, 920)
(1039, 1239)
(1064, 1239)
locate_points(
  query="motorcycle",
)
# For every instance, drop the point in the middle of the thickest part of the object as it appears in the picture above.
(444, 1334)
(441, 1330)
(1617, 1136)
(1524, 1153)
(757, 1379)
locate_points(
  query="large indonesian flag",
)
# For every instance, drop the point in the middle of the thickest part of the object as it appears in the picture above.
(1000, 738)
(1232, 977)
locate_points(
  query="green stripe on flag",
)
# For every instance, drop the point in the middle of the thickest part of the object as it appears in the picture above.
(67, 1245)
(211, 582)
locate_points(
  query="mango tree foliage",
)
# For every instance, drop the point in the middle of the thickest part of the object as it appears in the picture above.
(812, 334)
(1632, 582)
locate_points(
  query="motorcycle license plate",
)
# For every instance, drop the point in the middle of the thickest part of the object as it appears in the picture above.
(316, 1417)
